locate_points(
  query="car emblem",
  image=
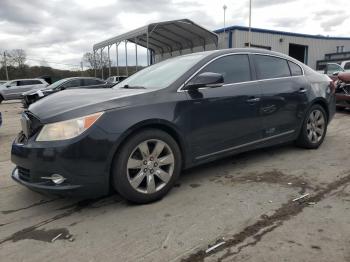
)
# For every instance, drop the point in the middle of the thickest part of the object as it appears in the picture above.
(25, 123)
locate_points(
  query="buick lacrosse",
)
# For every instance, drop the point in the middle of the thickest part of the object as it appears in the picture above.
(137, 137)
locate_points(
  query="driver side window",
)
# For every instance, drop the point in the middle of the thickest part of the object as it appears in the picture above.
(72, 83)
(234, 68)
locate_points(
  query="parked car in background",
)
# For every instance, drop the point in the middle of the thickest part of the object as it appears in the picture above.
(116, 79)
(346, 65)
(66, 83)
(332, 70)
(14, 89)
(176, 114)
(342, 90)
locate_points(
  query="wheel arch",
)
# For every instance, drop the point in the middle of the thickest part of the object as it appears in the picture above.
(160, 124)
(322, 102)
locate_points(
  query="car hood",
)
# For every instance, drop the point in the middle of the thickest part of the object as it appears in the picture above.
(70, 104)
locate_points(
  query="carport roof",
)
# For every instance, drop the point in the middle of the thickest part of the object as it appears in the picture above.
(166, 37)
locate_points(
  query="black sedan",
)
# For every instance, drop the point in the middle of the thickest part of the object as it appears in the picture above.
(63, 84)
(138, 136)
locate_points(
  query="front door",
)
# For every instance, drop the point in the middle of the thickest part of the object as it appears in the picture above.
(225, 117)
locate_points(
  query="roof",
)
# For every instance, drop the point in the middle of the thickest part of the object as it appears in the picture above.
(275, 32)
(165, 37)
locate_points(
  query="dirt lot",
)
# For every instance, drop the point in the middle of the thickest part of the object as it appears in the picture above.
(244, 202)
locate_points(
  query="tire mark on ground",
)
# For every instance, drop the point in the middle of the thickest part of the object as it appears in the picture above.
(77, 207)
(41, 202)
(267, 224)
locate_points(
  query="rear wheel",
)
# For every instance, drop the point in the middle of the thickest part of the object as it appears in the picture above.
(1, 99)
(314, 128)
(147, 166)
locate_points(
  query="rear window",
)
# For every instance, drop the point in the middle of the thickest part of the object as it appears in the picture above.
(268, 67)
(295, 69)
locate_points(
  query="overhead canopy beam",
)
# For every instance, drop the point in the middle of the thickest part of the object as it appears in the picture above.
(158, 38)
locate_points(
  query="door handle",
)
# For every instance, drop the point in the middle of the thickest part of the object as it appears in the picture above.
(302, 90)
(253, 100)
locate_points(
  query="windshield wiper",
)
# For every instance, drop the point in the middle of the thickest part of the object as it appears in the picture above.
(134, 87)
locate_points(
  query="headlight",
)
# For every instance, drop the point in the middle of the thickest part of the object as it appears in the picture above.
(67, 129)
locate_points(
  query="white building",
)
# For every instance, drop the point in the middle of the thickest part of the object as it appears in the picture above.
(306, 48)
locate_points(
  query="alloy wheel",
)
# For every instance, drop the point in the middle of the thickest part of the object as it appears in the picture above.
(150, 166)
(315, 126)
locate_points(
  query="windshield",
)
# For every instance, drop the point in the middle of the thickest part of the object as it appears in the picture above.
(56, 84)
(161, 74)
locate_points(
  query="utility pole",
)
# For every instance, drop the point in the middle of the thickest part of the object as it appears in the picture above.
(250, 24)
(82, 68)
(5, 64)
(224, 7)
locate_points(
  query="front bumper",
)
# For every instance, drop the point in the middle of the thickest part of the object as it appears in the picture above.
(48, 187)
(83, 161)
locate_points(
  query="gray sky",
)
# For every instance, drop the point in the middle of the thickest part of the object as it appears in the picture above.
(62, 30)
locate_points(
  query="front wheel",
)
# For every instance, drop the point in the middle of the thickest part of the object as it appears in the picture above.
(147, 166)
(314, 128)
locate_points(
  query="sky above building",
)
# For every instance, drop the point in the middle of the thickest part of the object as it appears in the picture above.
(61, 31)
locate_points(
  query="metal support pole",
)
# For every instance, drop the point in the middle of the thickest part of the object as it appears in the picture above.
(126, 58)
(148, 62)
(5, 64)
(136, 54)
(116, 52)
(224, 7)
(250, 24)
(95, 64)
(109, 62)
(101, 64)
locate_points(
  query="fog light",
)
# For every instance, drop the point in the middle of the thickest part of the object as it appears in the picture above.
(56, 178)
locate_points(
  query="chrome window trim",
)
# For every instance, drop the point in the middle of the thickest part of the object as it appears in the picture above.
(235, 83)
(245, 144)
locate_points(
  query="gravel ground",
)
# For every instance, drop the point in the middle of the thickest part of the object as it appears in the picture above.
(242, 203)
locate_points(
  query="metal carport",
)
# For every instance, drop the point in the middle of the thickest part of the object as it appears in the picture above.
(161, 39)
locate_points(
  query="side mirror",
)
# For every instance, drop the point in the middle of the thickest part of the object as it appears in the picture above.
(336, 73)
(8, 86)
(206, 79)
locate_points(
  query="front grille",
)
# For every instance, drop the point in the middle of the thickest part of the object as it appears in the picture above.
(23, 173)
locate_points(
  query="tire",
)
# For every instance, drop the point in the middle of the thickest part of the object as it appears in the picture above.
(310, 135)
(1, 99)
(130, 164)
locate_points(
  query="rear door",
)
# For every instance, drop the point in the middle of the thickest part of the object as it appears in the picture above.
(283, 99)
(225, 117)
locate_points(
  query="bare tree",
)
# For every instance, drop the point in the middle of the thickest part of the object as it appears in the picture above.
(18, 57)
(95, 62)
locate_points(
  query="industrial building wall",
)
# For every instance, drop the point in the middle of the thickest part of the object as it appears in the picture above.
(317, 48)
